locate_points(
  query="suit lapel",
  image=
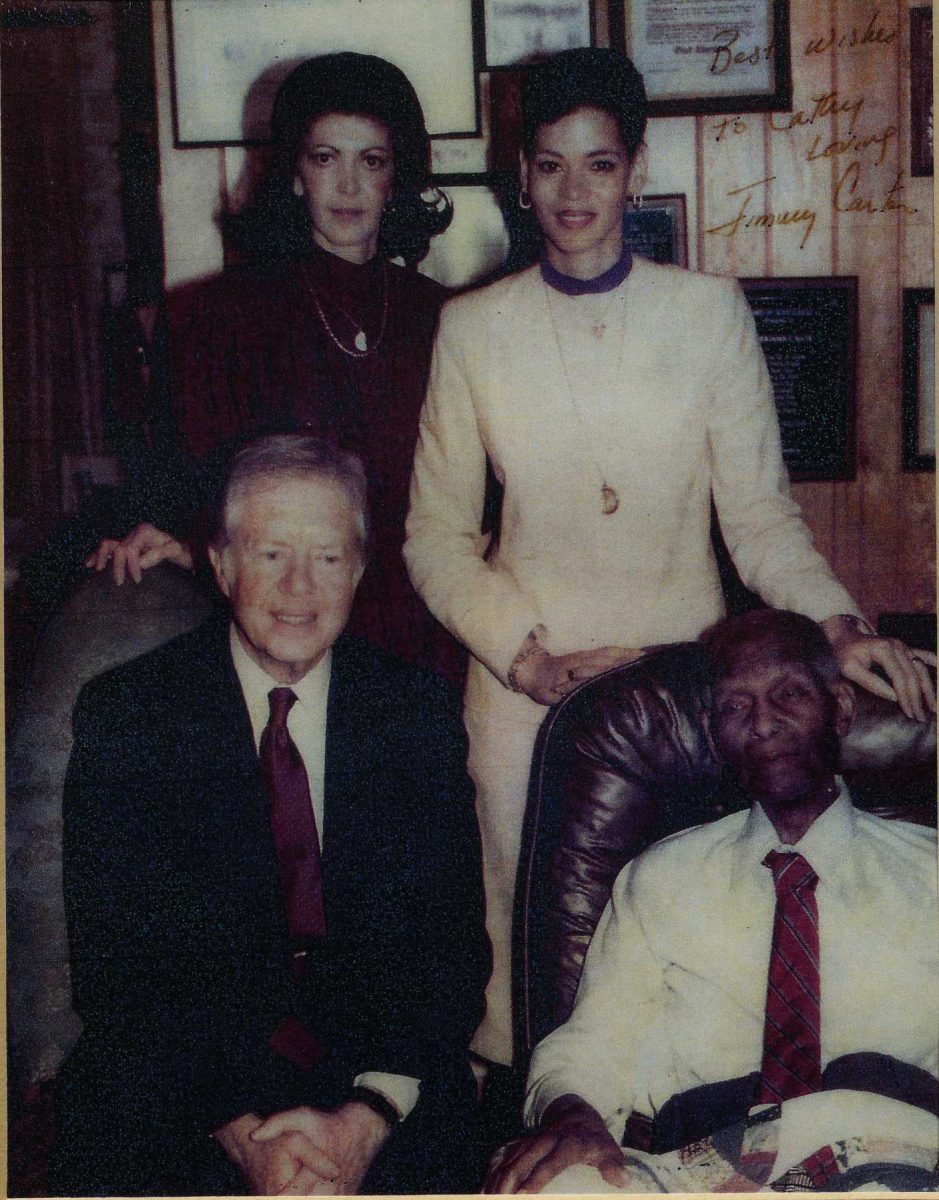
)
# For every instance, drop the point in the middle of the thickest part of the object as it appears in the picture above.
(353, 741)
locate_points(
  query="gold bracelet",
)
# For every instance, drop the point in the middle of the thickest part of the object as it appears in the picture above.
(857, 623)
(530, 646)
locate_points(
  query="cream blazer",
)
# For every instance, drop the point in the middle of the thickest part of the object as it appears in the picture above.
(694, 418)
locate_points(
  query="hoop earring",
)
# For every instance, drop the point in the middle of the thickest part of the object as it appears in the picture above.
(524, 200)
(434, 196)
(636, 200)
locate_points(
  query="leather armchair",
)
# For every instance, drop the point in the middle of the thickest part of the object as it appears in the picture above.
(624, 761)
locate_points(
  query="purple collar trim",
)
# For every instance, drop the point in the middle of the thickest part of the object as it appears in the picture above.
(570, 286)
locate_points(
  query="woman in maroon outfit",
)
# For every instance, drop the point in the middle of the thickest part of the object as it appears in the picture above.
(321, 332)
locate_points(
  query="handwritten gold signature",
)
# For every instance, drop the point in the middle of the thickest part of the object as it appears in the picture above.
(849, 196)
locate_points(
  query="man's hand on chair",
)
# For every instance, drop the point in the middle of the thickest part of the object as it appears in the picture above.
(571, 1132)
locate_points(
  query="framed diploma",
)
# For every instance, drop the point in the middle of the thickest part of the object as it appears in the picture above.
(707, 56)
(246, 48)
(808, 331)
(658, 229)
(919, 379)
(517, 32)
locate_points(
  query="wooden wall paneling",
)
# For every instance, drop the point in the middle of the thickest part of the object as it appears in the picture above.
(917, 489)
(731, 170)
(805, 244)
(869, 520)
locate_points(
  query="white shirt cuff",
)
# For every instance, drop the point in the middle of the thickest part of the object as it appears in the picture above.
(400, 1090)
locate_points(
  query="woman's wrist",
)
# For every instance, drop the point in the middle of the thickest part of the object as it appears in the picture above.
(844, 625)
(528, 649)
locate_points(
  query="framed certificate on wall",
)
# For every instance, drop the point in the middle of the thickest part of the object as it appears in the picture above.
(517, 31)
(707, 56)
(228, 57)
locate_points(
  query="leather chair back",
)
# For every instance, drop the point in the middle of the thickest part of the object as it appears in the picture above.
(624, 761)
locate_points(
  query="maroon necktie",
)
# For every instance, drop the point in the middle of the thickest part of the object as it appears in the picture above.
(792, 1051)
(293, 823)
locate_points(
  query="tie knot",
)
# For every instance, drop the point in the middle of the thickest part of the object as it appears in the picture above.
(282, 700)
(790, 871)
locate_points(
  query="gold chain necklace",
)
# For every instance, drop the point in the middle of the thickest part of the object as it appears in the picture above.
(609, 497)
(360, 341)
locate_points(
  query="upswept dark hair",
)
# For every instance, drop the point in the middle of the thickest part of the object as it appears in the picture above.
(276, 225)
(593, 78)
(798, 637)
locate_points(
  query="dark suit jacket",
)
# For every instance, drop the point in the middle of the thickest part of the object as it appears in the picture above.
(179, 944)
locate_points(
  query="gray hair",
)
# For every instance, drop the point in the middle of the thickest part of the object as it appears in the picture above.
(294, 456)
(797, 637)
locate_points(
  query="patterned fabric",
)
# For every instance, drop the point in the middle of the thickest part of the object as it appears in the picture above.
(791, 1043)
(292, 822)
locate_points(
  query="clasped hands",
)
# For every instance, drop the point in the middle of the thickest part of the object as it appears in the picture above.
(305, 1151)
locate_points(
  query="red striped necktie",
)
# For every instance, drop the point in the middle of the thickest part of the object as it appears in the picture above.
(292, 822)
(792, 1053)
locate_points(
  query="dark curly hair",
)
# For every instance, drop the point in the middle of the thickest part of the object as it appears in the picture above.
(584, 78)
(276, 225)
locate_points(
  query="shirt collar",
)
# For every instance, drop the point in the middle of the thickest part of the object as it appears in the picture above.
(570, 286)
(823, 844)
(256, 683)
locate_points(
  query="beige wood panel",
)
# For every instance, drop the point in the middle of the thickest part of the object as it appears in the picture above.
(802, 187)
(917, 490)
(869, 201)
(733, 192)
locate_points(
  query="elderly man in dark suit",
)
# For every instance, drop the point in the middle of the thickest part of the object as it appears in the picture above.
(272, 882)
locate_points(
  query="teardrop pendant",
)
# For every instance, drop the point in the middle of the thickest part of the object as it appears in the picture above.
(361, 341)
(610, 500)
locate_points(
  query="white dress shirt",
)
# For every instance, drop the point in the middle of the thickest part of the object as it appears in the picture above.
(306, 723)
(674, 985)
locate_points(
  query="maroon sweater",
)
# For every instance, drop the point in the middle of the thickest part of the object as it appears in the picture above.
(251, 354)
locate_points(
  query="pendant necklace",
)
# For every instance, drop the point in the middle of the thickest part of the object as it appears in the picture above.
(609, 497)
(360, 342)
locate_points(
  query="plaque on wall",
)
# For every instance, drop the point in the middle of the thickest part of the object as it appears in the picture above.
(919, 379)
(657, 229)
(707, 56)
(808, 331)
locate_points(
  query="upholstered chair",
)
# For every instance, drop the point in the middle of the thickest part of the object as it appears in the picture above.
(624, 761)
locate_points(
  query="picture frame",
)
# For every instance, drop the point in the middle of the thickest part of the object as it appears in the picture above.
(515, 32)
(729, 56)
(919, 379)
(658, 229)
(807, 327)
(921, 98)
(250, 48)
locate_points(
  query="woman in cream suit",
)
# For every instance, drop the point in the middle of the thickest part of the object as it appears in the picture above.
(613, 398)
